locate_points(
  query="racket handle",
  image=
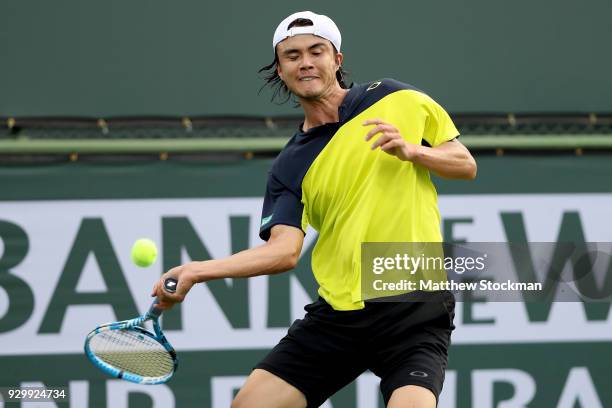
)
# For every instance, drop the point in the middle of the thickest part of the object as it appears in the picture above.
(154, 310)
(170, 285)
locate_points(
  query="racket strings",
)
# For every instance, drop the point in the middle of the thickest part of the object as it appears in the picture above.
(131, 351)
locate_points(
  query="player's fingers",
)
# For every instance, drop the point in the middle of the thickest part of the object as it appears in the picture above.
(164, 300)
(385, 138)
(373, 132)
(385, 128)
(161, 304)
(373, 121)
(391, 144)
(182, 289)
(156, 288)
(160, 292)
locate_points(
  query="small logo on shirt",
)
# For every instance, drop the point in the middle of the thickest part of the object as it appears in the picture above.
(266, 220)
(374, 85)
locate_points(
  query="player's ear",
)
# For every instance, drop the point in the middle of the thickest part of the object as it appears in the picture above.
(339, 59)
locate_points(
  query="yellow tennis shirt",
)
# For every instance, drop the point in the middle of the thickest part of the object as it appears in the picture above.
(329, 178)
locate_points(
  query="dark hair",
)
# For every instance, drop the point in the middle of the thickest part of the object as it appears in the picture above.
(280, 90)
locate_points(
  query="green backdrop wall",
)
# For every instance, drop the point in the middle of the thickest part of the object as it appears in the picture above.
(69, 57)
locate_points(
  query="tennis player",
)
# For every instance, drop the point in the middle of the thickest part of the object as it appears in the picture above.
(357, 170)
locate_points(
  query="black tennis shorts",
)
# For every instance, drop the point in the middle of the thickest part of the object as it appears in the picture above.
(403, 343)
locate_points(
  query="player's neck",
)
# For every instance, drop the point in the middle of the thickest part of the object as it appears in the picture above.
(323, 110)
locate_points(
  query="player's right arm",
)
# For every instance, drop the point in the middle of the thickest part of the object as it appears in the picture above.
(279, 254)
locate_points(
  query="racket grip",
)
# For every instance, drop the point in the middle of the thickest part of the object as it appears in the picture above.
(154, 310)
(170, 285)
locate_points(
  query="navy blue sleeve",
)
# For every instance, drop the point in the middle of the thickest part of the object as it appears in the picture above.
(281, 206)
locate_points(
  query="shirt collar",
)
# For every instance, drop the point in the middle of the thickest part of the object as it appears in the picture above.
(348, 105)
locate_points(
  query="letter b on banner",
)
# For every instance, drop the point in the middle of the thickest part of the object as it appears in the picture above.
(20, 296)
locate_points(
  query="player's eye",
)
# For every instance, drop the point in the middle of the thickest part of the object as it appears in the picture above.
(319, 50)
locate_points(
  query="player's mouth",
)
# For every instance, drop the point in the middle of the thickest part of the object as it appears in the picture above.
(308, 78)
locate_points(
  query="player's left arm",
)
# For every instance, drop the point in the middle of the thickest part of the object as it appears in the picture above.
(449, 159)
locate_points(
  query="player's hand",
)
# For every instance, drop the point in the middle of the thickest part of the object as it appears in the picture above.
(390, 141)
(186, 277)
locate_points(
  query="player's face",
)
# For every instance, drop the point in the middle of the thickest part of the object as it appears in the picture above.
(307, 64)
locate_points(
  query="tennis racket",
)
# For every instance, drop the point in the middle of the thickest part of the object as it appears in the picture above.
(128, 351)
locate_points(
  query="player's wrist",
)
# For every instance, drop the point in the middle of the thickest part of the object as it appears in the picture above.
(411, 152)
(201, 272)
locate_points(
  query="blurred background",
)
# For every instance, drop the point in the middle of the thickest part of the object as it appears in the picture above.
(121, 120)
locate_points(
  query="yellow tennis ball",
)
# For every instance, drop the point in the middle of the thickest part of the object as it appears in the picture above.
(144, 252)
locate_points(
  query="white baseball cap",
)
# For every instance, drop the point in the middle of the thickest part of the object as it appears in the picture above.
(322, 26)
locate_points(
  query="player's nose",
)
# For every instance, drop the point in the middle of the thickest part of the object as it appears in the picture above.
(306, 64)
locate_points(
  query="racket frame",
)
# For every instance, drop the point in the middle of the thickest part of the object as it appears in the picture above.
(136, 326)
